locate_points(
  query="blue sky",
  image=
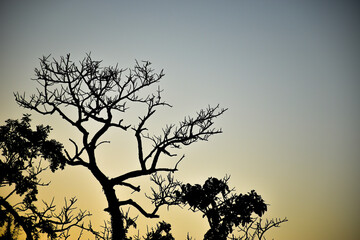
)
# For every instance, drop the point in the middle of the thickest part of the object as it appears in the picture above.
(287, 70)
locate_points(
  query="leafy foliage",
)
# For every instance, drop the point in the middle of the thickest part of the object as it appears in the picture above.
(225, 210)
(23, 150)
(162, 232)
(222, 209)
(21, 146)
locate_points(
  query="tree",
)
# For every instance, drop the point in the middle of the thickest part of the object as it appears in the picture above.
(161, 232)
(257, 228)
(23, 150)
(102, 96)
(223, 209)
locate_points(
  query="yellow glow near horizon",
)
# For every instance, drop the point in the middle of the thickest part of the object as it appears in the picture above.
(286, 70)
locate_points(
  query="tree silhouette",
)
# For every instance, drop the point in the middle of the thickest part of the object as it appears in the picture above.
(223, 209)
(102, 96)
(22, 150)
(257, 227)
(161, 232)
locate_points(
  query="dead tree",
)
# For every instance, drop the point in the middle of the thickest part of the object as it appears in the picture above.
(102, 95)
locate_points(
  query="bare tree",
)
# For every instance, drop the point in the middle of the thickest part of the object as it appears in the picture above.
(257, 227)
(103, 95)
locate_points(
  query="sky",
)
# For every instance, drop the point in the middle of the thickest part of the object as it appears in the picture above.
(288, 72)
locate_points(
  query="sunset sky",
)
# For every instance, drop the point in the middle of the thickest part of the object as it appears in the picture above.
(288, 72)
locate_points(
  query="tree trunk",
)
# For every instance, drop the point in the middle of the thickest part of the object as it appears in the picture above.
(117, 223)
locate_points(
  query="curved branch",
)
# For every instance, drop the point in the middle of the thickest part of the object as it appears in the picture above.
(18, 219)
(71, 160)
(137, 173)
(136, 189)
(139, 208)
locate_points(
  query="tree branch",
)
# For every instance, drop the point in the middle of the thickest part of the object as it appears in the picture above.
(139, 208)
(17, 217)
(137, 173)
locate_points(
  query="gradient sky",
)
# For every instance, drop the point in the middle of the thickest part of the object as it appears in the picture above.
(287, 70)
